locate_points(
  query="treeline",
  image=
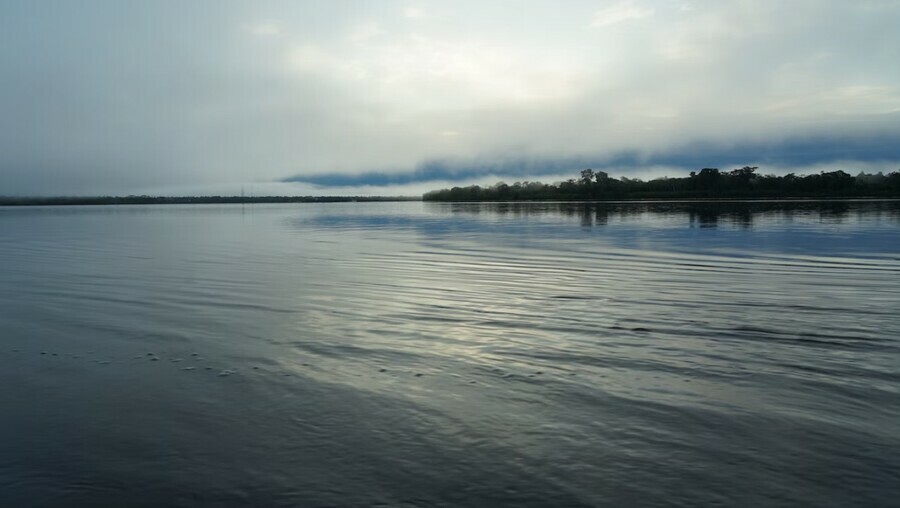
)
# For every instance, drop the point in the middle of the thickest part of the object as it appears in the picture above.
(173, 200)
(708, 183)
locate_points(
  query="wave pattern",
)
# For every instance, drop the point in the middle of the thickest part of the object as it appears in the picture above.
(418, 355)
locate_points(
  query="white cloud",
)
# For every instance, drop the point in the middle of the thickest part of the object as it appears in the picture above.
(366, 31)
(841, 100)
(266, 29)
(421, 73)
(414, 12)
(619, 12)
(311, 58)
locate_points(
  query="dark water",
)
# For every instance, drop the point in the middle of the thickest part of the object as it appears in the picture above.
(410, 354)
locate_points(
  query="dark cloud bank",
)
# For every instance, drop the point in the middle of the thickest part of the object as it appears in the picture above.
(800, 152)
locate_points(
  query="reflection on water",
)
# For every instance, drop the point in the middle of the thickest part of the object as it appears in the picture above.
(439, 354)
(703, 214)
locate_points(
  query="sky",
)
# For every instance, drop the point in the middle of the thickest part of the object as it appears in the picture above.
(399, 97)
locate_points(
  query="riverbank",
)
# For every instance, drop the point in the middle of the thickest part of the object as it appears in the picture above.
(183, 200)
(707, 184)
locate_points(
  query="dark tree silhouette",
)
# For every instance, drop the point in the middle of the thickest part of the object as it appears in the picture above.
(708, 183)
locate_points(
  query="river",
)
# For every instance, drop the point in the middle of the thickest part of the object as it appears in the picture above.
(440, 354)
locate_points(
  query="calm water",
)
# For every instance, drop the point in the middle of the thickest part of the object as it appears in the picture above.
(413, 354)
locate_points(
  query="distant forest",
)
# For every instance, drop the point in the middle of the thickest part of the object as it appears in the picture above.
(708, 183)
(170, 200)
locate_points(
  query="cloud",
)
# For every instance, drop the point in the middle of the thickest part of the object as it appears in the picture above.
(263, 29)
(366, 31)
(619, 12)
(415, 72)
(843, 100)
(865, 153)
(414, 12)
(95, 100)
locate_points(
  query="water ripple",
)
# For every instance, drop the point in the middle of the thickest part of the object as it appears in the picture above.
(451, 355)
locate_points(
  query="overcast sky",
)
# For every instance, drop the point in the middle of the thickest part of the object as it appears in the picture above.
(376, 97)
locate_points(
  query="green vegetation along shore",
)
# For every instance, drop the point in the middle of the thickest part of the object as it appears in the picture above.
(708, 183)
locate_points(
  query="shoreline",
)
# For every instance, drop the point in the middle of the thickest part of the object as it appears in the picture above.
(682, 200)
(216, 200)
(7, 201)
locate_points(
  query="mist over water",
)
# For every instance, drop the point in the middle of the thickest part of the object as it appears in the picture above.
(439, 354)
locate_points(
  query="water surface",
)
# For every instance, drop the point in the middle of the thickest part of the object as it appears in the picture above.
(429, 354)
